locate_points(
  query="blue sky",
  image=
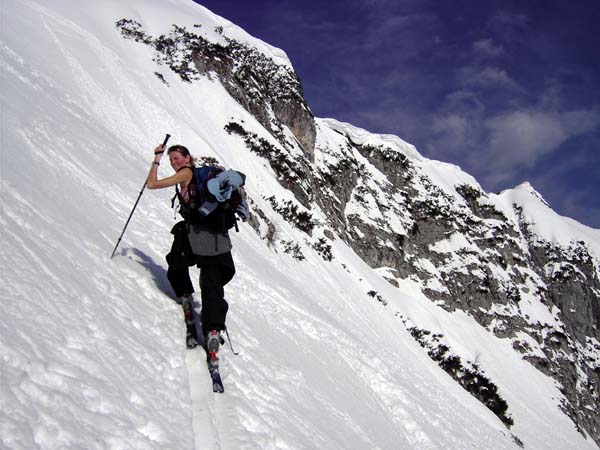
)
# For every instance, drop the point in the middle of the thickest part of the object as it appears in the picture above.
(508, 90)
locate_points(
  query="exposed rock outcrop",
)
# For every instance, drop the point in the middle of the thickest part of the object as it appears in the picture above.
(270, 92)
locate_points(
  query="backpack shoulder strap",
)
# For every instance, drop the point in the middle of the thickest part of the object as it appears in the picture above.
(177, 193)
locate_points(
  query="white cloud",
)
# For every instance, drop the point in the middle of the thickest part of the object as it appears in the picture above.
(487, 77)
(502, 146)
(453, 128)
(580, 122)
(487, 47)
(519, 138)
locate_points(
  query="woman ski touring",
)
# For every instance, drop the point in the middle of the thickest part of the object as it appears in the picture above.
(208, 199)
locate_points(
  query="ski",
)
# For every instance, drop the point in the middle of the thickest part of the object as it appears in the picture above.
(213, 342)
(194, 335)
(211, 347)
(216, 378)
(198, 326)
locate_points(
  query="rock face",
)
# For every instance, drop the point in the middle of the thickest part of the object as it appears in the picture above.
(271, 92)
(466, 249)
(469, 255)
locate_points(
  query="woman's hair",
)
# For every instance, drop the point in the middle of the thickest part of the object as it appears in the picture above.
(184, 151)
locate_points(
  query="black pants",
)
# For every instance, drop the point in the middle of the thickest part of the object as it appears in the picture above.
(215, 273)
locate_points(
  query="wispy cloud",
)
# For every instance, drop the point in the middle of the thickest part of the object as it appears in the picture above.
(486, 77)
(520, 138)
(501, 146)
(488, 48)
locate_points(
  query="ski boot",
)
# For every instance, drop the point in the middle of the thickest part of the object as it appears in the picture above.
(213, 342)
(190, 338)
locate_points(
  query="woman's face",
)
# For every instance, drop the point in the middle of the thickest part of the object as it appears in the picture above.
(178, 160)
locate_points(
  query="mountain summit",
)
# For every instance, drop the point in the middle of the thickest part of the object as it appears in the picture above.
(382, 300)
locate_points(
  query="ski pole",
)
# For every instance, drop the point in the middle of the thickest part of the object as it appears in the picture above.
(230, 345)
(135, 205)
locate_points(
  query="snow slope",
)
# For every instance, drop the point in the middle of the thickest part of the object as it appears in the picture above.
(93, 352)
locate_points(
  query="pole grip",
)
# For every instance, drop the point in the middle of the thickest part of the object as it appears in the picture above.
(163, 145)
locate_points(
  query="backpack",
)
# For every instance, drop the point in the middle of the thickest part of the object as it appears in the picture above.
(214, 205)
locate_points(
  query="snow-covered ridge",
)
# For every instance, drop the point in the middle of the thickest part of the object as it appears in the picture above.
(364, 137)
(543, 221)
(211, 30)
(158, 18)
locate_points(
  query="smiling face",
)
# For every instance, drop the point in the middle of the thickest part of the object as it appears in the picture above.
(178, 160)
